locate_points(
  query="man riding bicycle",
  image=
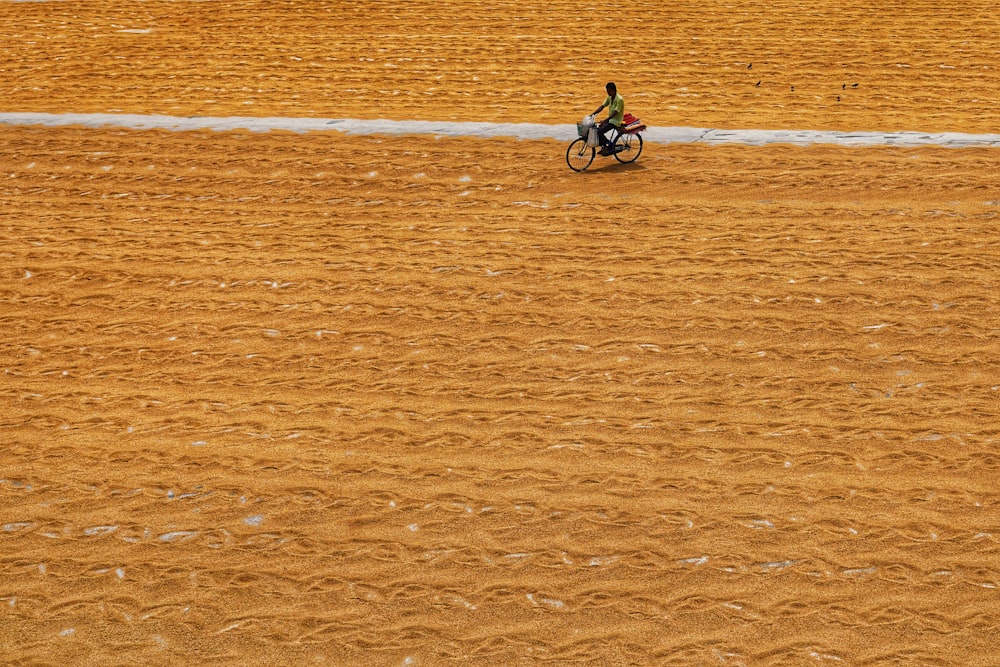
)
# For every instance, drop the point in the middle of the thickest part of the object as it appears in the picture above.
(616, 112)
(625, 142)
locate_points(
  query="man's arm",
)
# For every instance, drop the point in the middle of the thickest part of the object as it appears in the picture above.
(599, 109)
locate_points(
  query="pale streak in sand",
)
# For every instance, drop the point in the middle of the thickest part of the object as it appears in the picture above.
(660, 135)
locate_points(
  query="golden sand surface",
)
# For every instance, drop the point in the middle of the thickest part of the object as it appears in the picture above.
(281, 399)
(920, 65)
(317, 399)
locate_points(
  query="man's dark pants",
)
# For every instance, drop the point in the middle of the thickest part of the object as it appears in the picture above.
(603, 129)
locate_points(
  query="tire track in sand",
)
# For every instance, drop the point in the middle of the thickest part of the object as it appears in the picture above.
(356, 126)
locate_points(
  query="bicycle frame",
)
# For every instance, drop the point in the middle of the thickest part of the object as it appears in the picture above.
(626, 145)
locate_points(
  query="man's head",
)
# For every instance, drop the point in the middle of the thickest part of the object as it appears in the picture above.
(611, 88)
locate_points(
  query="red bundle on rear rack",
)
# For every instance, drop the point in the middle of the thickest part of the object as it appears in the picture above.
(631, 124)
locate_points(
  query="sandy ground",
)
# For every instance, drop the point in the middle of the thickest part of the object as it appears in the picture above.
(316, 399)
(918, 64)
(363, 400)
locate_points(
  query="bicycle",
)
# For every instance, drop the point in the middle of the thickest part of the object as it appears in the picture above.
(626, 142)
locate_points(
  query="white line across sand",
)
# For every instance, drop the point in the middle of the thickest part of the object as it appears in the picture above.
(663, 135)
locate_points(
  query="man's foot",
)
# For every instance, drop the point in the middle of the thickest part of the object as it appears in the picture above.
(606, 151)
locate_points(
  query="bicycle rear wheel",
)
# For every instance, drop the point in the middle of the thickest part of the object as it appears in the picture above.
(579, 155)
(628, 147)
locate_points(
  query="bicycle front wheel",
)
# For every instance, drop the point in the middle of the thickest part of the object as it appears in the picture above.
(628, 147)
(579, 155)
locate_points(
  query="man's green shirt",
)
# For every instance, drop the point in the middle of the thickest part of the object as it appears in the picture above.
(616, 109)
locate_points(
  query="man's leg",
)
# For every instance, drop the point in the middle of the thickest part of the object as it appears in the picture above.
(602, 130)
